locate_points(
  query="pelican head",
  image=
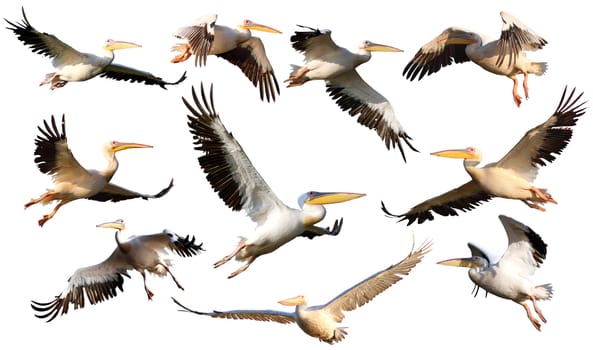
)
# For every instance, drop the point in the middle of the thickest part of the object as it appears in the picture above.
(116, 146)
(113, 45)
(371, 46)
(296, 301)
(474, 261)
(250, 25)
(320, 198)
(117, 224)
(469, 153)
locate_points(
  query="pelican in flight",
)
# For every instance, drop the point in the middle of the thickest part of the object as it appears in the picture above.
(72, 65)
(204, 37)
(512, 176)
(72, 181)
(241, 187)
(508, 278)
(324, 60)
(504, 56)
(321, 321)
(147, 253)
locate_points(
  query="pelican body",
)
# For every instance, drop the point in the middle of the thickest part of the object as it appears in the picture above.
(72, 181)
(512, 176)
(324, 60)
(241, 187)
(503, 56)
(322, 321)
(73, 65)
(508, 278)
(146, 253)
(203, 37)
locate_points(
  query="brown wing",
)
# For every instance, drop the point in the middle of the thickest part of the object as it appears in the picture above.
(256, 315)
(515, 38)
(200, 36)
(437, 54)
(313, 43)
(115, 193)
(250, 57)
(465, 198)
(99, 282)
(167, 240)
(119, 72)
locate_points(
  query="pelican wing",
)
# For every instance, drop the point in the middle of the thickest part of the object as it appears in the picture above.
(227, 167)
(200, 36)
(116, 193)
(526, 250)
(366, 290)
(358, 98)
(316, 231)
(99, 282)
(169, 241)
(52, 155)
(542, 143)
(515, 38)
(250, 57)
(437, 53)
(120, 72)
(313, 43)
(43, 43)
(256, 315)
(465, 198)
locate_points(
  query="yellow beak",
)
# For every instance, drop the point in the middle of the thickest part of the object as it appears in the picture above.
(117, 224)
(299, 300)
(331, 197)
(118, 45)
(455, 153)
(370, 46)
(458, 262)
(120, 146)
(262, 28)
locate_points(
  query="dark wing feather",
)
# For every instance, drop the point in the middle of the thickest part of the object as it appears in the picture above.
(316, 231)
(199, 36)
(516, 37)
(465, 198)
(120, 72)
(116, 193)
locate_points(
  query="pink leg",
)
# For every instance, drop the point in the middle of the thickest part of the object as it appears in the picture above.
(541, 194)
(525, 88)
(533, 320)
(174, 279)
(220, 262)
(295, 78)
(534, 206)
(538, 311)
(43, 197)
(516, 96)
(184, 55)
(48, 79)
(148, 292)
(243, 268)
(46, 217)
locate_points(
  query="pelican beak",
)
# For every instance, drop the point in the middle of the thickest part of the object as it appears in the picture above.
(299, 300)
(117, 224)
(455, 153)
(331, 197)
(458, 262)
(247, 24)
(120, 146)
(461, 39)
(370, 46)
(118, 45)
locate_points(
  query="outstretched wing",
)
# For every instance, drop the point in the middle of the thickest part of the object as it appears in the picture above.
(116, 193)
(120, 72)
(516, 37)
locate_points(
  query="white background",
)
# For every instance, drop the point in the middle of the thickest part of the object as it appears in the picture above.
(301, 142)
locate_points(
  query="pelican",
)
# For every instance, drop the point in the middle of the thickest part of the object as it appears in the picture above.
(504, 56)
(512, 176)
(322, 321)
(147, 253)
(72, 181)
(73, 65)
(204, 37)
(508, 278)
(337, 67)
(241, 187)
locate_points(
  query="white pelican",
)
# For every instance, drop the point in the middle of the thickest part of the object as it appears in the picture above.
(510, 177)
(241, 187)
(508, 278)
(337, 67)
(73, 65)
(321, 321)
(504, 56)
(203, 37)
(147, 253)
(72, 181)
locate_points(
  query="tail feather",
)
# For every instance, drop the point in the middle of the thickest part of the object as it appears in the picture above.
(544, 292)
(539, 68)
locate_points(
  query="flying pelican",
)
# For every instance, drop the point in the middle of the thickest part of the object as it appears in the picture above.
(508, 278)
(73, 65)
(147, 253)
(504, 56)
(510, 177)
(204, 37)
(72, 181)
(337, 67)
(241, 187)
(322, 321)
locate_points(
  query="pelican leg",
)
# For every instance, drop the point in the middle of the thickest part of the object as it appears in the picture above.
(534, 206)
(58, 84)
(47, 196)
(525, 87)
(184, 55)
(46, 217)
(296, 78)
(49, 78)
(516, 96)
(241, 245)
(148, 292)
(244, 267)
(542, 194)
(533, 320)
(172, 276)
(537, 310)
